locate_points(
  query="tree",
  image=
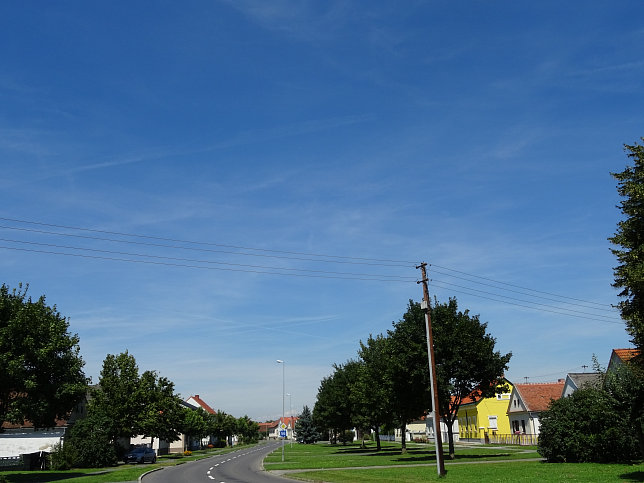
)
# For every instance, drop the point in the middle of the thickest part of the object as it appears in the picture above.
(466, 362)
(408, 369)
(247, 430)
(222, 426)
(41, 371)
(333, 409)
(195, 424)
(161, 412)
(629, 274)
(304, 427)
(373, 390)
(135, 405)
(118, 397)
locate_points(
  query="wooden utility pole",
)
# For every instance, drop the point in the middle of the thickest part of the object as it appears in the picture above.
(440, 463)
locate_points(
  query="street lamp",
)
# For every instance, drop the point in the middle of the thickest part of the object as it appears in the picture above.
(279, 361)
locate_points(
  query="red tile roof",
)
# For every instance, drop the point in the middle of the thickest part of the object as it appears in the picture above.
(202, 403)
(537, 396)
(28, 424)
(626, 354)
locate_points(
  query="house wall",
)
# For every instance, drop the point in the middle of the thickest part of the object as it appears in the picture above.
(14, 442)
(489, 415)
(569, 387)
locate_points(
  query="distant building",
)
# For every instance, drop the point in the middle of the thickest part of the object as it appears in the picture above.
(527, 401)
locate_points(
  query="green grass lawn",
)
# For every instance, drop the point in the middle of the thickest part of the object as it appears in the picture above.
(129, 472)
(518, 471)
(471, 462)
(301, 456)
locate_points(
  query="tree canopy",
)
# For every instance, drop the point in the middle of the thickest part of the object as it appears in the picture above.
(629, 274)
(41, 370)
(467, 363)
(389, 383)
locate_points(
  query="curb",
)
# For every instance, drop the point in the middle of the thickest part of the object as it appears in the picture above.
(148, 472)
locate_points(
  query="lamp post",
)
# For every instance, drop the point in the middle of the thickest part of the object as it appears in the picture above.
(279, 361)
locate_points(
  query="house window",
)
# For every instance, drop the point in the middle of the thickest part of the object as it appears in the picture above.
(523, 425)
(492, 422)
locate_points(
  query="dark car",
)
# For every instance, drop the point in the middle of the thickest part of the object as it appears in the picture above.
(141, 455)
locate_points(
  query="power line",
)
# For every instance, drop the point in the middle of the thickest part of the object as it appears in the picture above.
(177, 259)
(151, 262)
(151, 237)
(530, 307)
(208, 250)
(206, 247)
(521, 300)
(518, 286)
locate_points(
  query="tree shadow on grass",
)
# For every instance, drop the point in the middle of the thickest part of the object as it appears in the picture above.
(634, 476)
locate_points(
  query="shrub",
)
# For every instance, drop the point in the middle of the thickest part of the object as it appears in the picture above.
(91, 443)
(187, 453)
(586, 427)
(346, 436)
(62, 457)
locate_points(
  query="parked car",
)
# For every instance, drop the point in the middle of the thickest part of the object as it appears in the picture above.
(141, 454)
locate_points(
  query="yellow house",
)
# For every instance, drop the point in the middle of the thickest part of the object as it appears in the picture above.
(485, 418)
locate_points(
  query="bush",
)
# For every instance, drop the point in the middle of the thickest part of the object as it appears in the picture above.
(586, 427)
(91, 443)
(346, 437)
(62, 457)
(187, 453)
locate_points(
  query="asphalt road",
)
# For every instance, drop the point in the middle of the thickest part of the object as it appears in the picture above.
(242, 466)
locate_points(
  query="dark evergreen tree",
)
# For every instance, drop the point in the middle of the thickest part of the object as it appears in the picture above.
(629, 274)
(305, 430)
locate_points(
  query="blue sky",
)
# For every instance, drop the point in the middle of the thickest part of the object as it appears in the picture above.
(477, 137)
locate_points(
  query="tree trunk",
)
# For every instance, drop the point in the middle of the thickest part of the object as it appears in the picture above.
(450, 438)
(403, 437)
(377, 438)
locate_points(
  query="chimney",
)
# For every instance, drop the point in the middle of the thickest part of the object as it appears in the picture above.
(561, 381)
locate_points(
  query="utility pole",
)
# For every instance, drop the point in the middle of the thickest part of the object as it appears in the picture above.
(440, 463)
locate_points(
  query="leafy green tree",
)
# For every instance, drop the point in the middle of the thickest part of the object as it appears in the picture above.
(333, 408)
(222, 427)
(117, 397)
(135, 405)
(372, 391)
(466, 360)
(304, 427)
(629, 274)
(409, 369)
(41, 371)
(247, 430)
(161, 412)
(195, 424)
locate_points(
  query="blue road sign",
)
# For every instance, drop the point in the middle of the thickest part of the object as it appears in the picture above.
(282, 433)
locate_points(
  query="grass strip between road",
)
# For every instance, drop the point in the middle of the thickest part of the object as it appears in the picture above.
(348, 464)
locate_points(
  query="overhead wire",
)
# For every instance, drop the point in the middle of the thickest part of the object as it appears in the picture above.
(151, 262)
(177, 259)
(160, 242)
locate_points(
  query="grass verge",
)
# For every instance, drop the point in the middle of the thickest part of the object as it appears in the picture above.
(510, 471)
(122, 472)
